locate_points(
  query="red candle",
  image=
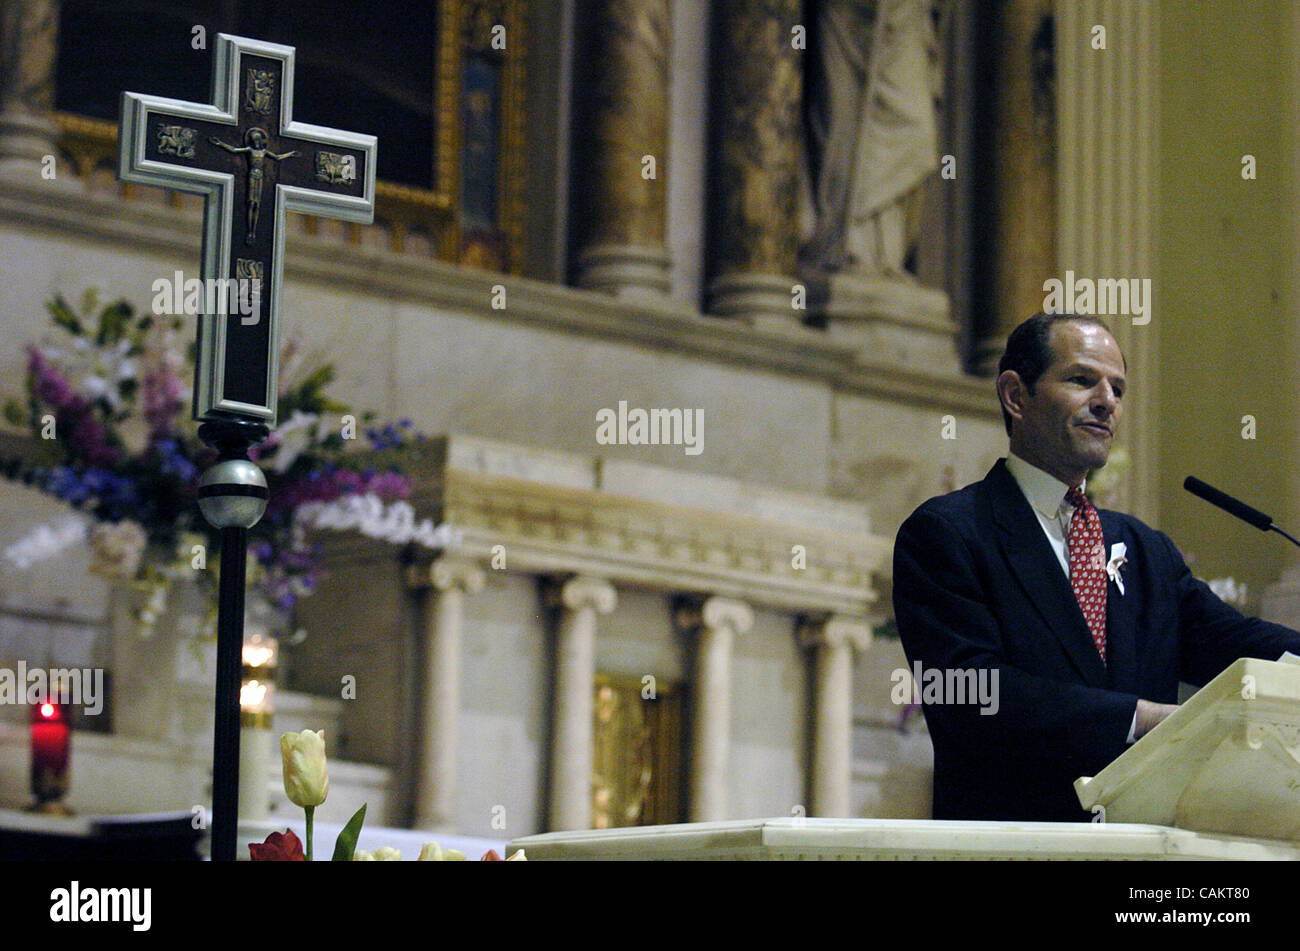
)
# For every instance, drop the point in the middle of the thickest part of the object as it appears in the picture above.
(50, 742)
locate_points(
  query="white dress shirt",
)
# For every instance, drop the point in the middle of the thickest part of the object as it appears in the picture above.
(1046, 496)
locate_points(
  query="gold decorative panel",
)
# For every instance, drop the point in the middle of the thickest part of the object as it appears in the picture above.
(637, 753)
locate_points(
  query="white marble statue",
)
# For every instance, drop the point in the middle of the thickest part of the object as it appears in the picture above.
(873, 130)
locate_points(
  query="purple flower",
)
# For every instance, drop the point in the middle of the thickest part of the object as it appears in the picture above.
(390, 486)
(89, 440)
(52, 386)
(164, 395)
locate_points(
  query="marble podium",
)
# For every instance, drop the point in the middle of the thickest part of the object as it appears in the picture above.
(896, 839)
(1227, 761)
(1218, 779)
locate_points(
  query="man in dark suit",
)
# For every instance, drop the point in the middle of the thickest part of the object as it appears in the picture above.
(1081, 623)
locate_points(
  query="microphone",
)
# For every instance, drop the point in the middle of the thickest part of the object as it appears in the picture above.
(1233, 506)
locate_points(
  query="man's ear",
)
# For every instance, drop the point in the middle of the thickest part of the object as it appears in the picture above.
(1011, 391)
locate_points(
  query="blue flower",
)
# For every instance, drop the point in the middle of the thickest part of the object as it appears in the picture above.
(174, 462)
(64, 483)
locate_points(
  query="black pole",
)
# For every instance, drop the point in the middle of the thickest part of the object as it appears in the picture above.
(233, 498)
(230, 649)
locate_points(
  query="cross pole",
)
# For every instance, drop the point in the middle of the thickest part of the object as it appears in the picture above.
(252, 163)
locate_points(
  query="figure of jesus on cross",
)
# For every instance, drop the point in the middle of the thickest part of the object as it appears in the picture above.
(257, 156)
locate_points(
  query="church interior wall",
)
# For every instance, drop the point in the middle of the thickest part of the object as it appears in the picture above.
(450, 368)
(894, 456)
(769, 720)
(505, 702)
(455, 366)
(893, 760)
(1225, 297)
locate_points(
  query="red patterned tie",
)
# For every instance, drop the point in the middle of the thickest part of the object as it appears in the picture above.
(1088, 566)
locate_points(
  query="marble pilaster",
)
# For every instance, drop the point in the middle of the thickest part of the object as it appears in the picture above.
(833, 641)
(716, 623)
(448, 580)
(580, 600)
(1108, 173)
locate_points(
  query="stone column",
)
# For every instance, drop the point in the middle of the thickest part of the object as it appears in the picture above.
(755, 156)
(1108, 172)
(833, 641)
(29, 32)
(716, 622)
(619, 190)
(580, 600)
(448, 581)
(1020, 118)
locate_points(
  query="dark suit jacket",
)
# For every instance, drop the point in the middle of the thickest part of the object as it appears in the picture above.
(977, 585)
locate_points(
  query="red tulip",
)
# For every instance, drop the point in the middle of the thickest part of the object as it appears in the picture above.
(278, 847)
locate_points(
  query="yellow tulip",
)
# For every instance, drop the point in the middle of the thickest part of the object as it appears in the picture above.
(305, 781)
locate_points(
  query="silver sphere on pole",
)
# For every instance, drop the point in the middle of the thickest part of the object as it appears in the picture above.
(233, 494)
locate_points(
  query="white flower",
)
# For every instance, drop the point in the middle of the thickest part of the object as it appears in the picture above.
(392, 522)
(382, 854)
(1117, 561)
(387, 854)
(44, 542)
(433, 852)
(1229, 590)
(117, 548)
(292, 437)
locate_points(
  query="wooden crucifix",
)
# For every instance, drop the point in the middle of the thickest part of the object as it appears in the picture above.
(253, 163)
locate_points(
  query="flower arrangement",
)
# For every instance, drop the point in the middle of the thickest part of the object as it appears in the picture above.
(107, 403)
(307, 784)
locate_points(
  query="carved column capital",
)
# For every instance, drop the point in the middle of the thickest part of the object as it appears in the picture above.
(838, 630)
(714, 614)
(445, 574)
(582, 591)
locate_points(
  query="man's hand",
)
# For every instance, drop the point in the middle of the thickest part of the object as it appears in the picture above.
(1149, 714)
